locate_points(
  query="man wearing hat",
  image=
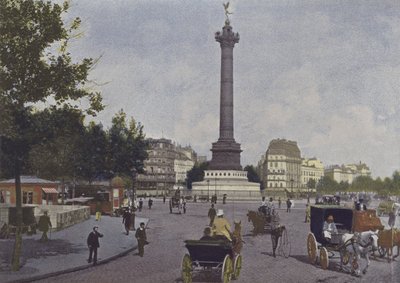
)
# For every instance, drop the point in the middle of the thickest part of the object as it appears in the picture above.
(141, 237)
(93, 244)
(44, 225)
(329, 228)
(221, 226)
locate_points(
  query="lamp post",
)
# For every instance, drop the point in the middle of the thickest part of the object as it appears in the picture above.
(208, 194)
(133, 193)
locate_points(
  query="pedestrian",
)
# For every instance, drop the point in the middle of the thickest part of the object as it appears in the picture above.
(140, 204)
(98, 211)
(224, 199)
(150, 203)
(127, 220)
(163, 199)
(184, 205)
(279, 202)
(288, 205)
(44, 225)
(141, 238)
(211, 214)
(93, 244)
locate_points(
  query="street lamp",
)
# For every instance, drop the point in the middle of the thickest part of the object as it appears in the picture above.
(208, 194)
(134, 174)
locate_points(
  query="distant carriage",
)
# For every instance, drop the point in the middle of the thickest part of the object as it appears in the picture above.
(263, 220)
(175, 202)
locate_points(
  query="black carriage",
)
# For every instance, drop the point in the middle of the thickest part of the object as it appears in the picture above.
(175, 203)
(347, 220)
(213, 256)
(343, 218)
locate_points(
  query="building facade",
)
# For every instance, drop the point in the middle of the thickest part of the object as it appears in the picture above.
(311, 169)
(34, 191)
(165, 168)
(280, 167)
(347, 173)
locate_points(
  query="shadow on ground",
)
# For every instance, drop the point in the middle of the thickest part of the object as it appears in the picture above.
(35, 249)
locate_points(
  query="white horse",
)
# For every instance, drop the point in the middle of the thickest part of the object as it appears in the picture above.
(356, 246)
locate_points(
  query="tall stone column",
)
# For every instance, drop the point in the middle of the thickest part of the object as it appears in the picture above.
(226, 152)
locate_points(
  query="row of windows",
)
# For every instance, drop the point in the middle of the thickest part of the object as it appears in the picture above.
(308, 173)
(277, 171)
(226, 174)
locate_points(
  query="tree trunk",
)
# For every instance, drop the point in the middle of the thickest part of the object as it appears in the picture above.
(18, 233)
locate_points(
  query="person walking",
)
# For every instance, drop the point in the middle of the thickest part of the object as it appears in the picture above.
(163, 199)
(98, 211)
(211, 214)
(141, 237)
(44, 225)
(150, 203)
(93, 244)
(140, 204)
(288, 205)
(127, 220)
(279, 202)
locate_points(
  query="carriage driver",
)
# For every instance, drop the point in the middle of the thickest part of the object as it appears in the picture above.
(329, 228)
(221, 226)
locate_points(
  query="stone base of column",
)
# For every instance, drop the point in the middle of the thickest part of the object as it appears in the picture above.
(225, 155)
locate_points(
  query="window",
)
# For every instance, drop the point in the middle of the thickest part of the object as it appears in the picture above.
(27, 198)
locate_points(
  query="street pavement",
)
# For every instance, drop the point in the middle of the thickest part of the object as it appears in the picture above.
(66, 250)
(166, 233)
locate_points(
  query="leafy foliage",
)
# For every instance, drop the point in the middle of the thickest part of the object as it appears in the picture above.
(196, 174)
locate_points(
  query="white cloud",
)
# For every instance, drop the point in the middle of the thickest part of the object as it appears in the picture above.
(323, 74)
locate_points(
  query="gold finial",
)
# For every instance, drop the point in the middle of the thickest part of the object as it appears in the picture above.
(227, 13)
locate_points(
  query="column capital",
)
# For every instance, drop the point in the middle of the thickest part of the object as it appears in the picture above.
(227, 38)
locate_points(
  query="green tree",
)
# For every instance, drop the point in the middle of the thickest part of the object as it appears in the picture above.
(32, 71)
(196, 174)
(92, 153)
(327, 185)
(252, 174)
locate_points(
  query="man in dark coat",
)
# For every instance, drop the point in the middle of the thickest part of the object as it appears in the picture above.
(93, 244)
(127, 220)
(44, 225)
(150, 203)
(141, 238)
(211, 214)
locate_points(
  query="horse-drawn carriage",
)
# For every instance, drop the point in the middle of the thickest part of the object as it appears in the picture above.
(263, 220)
(266, 220)
(347, 221)
(214, 256)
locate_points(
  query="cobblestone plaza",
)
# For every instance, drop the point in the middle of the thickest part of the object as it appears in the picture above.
(167, 232)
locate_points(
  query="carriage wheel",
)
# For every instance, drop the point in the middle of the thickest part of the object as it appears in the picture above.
(227, 269)
(312, 247)
(187, 269)
(324, 258)
(170, 207)
(237, 266)
(284, 244)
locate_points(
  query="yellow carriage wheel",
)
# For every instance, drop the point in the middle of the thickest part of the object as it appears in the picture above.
(323, 255)
(237, 266)
(187, 269)
(312, 247)
(227, 269)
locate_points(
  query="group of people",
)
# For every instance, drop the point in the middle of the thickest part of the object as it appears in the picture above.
(267, 207)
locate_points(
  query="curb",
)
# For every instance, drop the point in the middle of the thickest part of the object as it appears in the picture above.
(73, 269)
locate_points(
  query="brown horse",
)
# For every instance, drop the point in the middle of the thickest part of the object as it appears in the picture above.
(258, 220)
(237, 240)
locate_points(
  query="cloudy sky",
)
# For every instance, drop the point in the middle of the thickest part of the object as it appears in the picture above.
(322, 73)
